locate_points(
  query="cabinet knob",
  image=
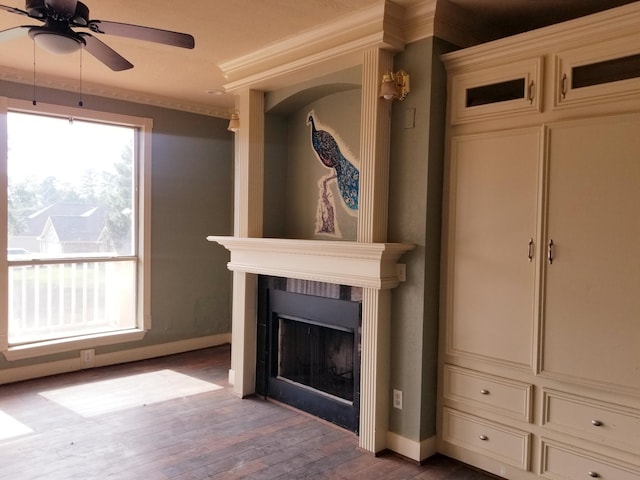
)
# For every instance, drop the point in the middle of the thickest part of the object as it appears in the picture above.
(484, 391)
(596, 423)
(594, 474)
(484, 438)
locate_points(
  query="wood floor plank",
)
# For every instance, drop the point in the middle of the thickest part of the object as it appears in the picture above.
(160, 431)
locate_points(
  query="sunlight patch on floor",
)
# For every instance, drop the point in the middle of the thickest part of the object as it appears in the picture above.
(97, 398)
(10, 427)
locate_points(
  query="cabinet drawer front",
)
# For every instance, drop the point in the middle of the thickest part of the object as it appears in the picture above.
(595, 421)
(504, 396)
(497, 91)
(560, 462)
(497, 441)
(588, 75)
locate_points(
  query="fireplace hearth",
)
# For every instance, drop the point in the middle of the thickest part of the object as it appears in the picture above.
(309, 348)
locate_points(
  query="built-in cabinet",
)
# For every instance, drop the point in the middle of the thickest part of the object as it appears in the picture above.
(540, 335)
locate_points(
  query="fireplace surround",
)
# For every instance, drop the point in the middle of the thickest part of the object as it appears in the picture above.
(373, 267)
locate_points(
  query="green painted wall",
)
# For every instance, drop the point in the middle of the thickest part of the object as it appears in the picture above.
(192, 197)
(415, 205)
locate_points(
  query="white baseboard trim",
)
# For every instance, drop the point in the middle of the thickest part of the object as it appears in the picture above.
(130, 355)
(411, 449)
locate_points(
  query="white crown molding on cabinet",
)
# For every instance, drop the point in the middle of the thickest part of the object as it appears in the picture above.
(595, 29)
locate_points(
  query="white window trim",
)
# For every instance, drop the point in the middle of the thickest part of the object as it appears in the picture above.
(143, 199)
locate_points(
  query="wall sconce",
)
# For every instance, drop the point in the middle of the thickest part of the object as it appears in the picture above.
(234, 122)
(395, 86)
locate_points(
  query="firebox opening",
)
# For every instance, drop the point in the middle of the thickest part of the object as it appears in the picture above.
(309, 351)
(316, 356)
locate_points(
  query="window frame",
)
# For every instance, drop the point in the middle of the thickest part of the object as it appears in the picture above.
(143, 225)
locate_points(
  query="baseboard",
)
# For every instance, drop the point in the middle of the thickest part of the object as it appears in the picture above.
(130, 355)
(418, 451)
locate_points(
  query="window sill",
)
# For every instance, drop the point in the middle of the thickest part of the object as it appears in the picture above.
(52, 347)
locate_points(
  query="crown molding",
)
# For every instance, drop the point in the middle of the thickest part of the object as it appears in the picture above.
(58, 83)
(591, 29)
(419, 20)
(456, 25)
(338, 44)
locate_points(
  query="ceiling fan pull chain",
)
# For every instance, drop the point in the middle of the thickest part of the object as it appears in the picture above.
(34, 74)
(81, 103)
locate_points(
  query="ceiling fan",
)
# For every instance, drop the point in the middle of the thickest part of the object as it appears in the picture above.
(60, 17)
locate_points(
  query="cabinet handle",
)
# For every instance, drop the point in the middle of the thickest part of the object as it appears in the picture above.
(594, 474)
(550, 252)
(531, 92)
(563, 86)
(484, 391)
(530, 250)
(484, 438)
(596, 423)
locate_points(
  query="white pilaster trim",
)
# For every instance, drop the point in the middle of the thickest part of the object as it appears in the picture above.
(375, 135)
(374, 369)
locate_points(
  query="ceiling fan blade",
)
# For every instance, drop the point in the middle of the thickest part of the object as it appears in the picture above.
(66, 7)
(105, 53)
(139, 32)
(13, 10)
(15, 32)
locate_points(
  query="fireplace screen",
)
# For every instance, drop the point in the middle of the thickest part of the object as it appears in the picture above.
(317, 356)
(309, 354)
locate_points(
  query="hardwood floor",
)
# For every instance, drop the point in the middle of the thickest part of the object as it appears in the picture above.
(176, 418)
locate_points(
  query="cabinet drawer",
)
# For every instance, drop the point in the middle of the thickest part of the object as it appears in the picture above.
(593, 420)
(561, 462)
(498, 394)
(494, 440)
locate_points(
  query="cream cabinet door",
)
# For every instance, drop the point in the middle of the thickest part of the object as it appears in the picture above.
(492, 235)
(592, 281)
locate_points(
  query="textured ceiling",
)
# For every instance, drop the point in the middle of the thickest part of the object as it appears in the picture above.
(225, 30)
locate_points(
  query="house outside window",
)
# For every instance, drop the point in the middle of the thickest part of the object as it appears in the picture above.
(77, 229)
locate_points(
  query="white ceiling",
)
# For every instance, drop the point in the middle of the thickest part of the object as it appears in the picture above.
(224, 30)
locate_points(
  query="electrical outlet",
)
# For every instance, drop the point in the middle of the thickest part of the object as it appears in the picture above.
(87, 357)
(401, 272)
(397, 399)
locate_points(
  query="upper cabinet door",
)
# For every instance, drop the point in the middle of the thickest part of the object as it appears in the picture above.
(495, 92)
(592, 273)
(599, 73)
(492, 232)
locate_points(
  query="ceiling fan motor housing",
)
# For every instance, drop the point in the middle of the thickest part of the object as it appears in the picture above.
(38, 9)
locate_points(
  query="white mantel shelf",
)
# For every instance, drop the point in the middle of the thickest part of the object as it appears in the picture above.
(369, 265)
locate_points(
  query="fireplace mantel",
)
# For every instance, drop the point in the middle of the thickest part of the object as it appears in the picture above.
(357, 264)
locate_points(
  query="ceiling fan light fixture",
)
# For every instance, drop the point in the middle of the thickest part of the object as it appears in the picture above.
(56, 42)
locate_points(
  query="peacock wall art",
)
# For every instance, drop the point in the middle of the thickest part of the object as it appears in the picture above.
(343, 173)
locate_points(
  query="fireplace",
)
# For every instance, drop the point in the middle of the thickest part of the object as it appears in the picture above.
(371, 269)
(309, 348)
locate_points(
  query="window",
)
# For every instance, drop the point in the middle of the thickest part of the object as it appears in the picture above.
(76, 229)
